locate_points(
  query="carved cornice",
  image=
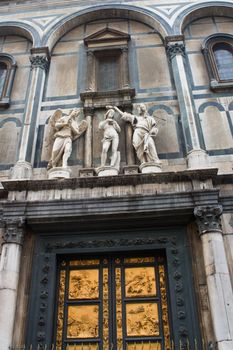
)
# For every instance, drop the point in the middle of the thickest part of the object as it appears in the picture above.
(174, 49)
(13, 231)
(39, 61)
(208, 219)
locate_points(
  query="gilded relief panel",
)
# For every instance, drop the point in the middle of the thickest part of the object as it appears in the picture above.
(144, 346)
(83, 321)
(142, 319)
(84, 284)
(85, 346)
(140, 282)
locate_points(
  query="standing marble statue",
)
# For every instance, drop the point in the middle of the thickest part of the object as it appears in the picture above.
(145, 128)
(111, 138)
(63, 130)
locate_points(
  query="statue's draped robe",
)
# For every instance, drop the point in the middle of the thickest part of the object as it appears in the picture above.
(144, 128)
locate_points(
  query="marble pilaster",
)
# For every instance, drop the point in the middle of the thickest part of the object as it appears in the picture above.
(90, 71)
(196, 157)
(217, 274)
(88, 139)
(9, 276)
(39, 65)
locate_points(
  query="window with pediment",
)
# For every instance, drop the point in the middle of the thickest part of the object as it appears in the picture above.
(218, 52)
(107, 67)
(7, 73)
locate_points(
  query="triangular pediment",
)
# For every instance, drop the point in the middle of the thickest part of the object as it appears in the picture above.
(106, 35)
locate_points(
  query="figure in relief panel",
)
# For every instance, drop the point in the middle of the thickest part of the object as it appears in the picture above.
(145, 128)
(63, 130)
(111, 138)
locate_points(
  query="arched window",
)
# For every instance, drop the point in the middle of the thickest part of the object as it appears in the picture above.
(218, 52)
(7, 73)
(223, 54)
(3, 74)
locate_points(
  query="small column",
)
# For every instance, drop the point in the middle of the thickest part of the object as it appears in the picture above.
(39, 65)
(217, 274)
(90, 71)
(9, 277)
(88, 171)
(125, 68)
(196, 157)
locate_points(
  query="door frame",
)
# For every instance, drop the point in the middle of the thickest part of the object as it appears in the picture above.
(173, 241)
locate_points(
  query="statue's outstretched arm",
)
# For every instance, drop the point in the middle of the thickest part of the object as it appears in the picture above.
(116, 109)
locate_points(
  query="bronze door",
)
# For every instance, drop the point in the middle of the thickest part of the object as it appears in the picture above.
(113, 304)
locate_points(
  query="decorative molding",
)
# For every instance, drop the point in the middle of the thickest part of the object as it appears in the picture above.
(13, 230)
(177, 48)
(121, 180)
(39, 61)
(208, 218)
(106, 243)
(44, 293)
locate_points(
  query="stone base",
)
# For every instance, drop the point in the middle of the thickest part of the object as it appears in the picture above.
(130, 169)
(21, 170)
(59, 173)
(150, 168)
(86, 172)
(107, 171)
(197, 159)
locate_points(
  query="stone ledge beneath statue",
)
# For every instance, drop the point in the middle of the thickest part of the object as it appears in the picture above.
(150, 168)
(59, 173)
(201, 175)
(107, 171)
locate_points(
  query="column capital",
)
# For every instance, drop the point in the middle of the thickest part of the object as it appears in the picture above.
(40, 58)
(208, 218)
(90, 53)
(175, 48)
(13, 230)
(125, 49)
(39, 61)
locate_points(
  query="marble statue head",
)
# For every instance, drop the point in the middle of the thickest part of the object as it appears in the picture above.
(110, 113)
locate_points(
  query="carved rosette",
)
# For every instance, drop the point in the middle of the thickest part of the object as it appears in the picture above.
(174, 49)
(39, 61)
(208, 219)
(13, 230)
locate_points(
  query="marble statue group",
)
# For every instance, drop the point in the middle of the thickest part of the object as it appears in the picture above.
(66, 128)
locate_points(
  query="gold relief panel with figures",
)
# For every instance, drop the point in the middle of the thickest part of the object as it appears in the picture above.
(83, 321)
(84, 284)
(140, 282)
(142, 319)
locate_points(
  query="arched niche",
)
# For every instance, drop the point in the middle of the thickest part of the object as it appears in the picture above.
(215, 127)
(197, 11)
(20, 29)
(103, 12)
(148, 65)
